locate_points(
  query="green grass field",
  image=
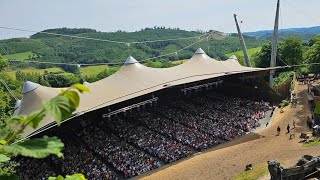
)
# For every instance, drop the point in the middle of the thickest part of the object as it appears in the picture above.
(93, 70)
(20, 56)
(86, 71)
(12, 73)
(254, 174)
(315, 143)
(240, 53)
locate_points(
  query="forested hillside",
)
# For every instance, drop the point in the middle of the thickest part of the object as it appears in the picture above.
(303, 33)
(54, 48)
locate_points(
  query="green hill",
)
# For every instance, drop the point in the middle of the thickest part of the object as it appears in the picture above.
(55, 48)
(86, 71)
(240, 53)
(304, 33)
(12, 73)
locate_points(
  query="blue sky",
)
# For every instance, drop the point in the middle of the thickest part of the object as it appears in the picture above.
(132, 15)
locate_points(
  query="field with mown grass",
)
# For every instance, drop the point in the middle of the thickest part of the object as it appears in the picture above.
(316, 142)
(240, 53)
(93, 70)
(12, 73)
(21, 56)
(86, 71)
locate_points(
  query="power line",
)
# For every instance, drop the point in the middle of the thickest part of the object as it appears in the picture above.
(4, 50)
(96, 64)
(7, 50)
(173, 53)
(198, 75)
(302, 12)
(309, 64)
(85, 111)
(278, 57)
(103, 40)
(201, 37)
(59, 63)
(8, 89)
(253, 21)
(206, 74)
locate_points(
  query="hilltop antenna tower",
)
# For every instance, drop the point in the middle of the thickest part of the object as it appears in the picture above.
(274, 45)
(243, 44)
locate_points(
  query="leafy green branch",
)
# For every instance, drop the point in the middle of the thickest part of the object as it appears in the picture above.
(59, 108)
(72, 177)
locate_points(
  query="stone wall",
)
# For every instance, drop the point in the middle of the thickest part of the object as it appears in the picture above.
(306, 167)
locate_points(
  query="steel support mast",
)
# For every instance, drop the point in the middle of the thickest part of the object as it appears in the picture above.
(243, 44)
(274, 45)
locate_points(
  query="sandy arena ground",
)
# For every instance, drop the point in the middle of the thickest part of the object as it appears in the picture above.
(228, 160)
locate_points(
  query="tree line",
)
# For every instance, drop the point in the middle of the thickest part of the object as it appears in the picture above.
(54, 48)
(291, 51)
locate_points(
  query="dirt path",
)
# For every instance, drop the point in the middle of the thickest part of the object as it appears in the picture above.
(230, 159)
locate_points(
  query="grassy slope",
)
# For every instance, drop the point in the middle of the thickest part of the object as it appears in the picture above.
(93, 70)
(86, 71)
(19, 56)
(12, 73)
(315, 143)
(61, 49)
(240, 53)
(254, 174)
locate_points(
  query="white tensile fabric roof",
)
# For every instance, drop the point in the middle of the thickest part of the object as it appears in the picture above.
(132, 80)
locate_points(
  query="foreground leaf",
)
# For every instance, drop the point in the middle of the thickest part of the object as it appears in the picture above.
(4, 133)
(68, 177)
(35, 118)
(32, 119)
(56, 178)
(3, 142)
(4, 158)
(60, 108)
(73, 96)
(76, 177)
(37, 148)
(14, 120)
(81, 88)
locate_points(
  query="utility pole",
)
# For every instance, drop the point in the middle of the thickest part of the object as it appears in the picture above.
(243, 44)
(274, 45)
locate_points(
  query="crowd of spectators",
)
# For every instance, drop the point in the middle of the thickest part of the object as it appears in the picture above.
(30, 168)
(166, 149)
(143, 140)
(77, 159)
(186, 135)
(124, 157)
(224, 117)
